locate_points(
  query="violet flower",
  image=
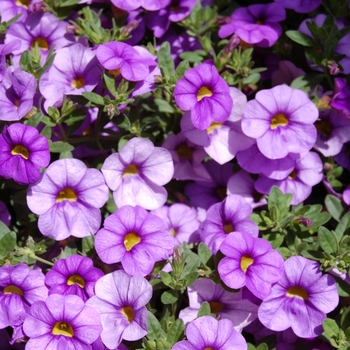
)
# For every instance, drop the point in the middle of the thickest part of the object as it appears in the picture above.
(61, 322)
(203, 92)
(22, 153)
(250, 262)
(120, 300)
(5, 216)
(300, 299)
(300, 6)
(135, 238)
(12, 8)
(150, 5)
(67, 199)
(286, 73)
(340, 100)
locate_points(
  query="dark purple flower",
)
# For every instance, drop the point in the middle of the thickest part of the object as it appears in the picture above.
(341, 98)
(22, 153)
(12, 8)
(5, 216)
(150, 5)
(300, 6)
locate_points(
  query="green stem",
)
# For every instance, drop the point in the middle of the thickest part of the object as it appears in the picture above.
(41, 260)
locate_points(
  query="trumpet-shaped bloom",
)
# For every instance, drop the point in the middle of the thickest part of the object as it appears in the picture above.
(300, 299)
(67, 199)
(135, 238)
(150, 5)
(137, 173)
(22, 153)
(61, 322)
(120, 300)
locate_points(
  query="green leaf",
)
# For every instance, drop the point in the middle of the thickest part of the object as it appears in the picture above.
(181, 69)
(175, 332)
(190, 278)
(7, 243)
(166, 278)
(155, 331)
(165, 61)
(280, 201)
(60, 146)
(343, 228)
(123, 122)
(169, 297)
(164, 106)
(300, 38)
(307, 82)
(204, 253)
(95, 98)
(110, 83)
(328, 242)
(204, 310)
(312, 254)
(193, 56)
(262, 346)
(87, 244)
(3, 229)
(335, 207)
(345, 319)
(330, 327)
(46, 132)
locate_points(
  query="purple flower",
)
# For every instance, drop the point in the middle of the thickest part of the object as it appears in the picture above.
(150, 5)
(340, 100)
(137, 172)
(230, 215)
(135, 238)
(5, 216)
(22, 153)
(123, 59)
(208, 333)
(223, 304)
(74, 275)
(256, 24)
(286, 73)
(300, 6)
(249, 262)
(120, 299)
(17, 92)
(67, 199)
(203, 92)
(61, 322)
(12, 8)
(281, 119)
(20, 287)
(300, 299)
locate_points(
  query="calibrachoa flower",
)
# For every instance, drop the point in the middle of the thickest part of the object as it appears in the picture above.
(22, 153)
(74, 275)
(281, 120)
(137, 172)
(20, 287)
(340, 99)
(5, 216)
(250, 262)
(203, 92)
(300, 6)
(300, 299)
(120, 299)
(61, 322)
(67, 199)
(135, 238)
(12, 8)
(150, 5)
(208, 333)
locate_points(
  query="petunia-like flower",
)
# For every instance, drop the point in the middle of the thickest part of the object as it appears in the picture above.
(74, 275)
(20, 287)
(67, 199)
(250, 262)
(123, 59)
(12, 8)
(241, 312)
(137, 172)
(120, 300)
(300, 6)
(286, 73)
(231, 215)
(281, 120)
(256, 24)
(5, 216)
(206, 94)
(208, 333)
(22, 153)
(61, 322)
(340, 100)
(300, 299)
(135, 238)
(150, 5)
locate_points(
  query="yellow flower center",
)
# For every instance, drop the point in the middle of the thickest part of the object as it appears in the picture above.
(209, 349)
(184, 152)
(21, 151)
(130, 240)
(297, 292)
(76, 279)
(277, 120)
(67, 194)
(172, 232)
(114, 72)
(78, 83)
(11, 289)
(23, 3)
(132, 169)
(215, 306)
(213, 126)
(324, 127)
(63, 328)
(42, 43)
(246, 261)
(228, 228)
(204, 91)
(128, 313)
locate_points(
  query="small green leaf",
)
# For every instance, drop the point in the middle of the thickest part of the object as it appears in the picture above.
(155, 331)
(110, 83)
(312, 254)
(60, 146)
(300, 38)
(175, 331)
(169, 297)
(262, 346)
(330, 327)
(7, 243)
(190, 278)
(95, 98)
(181, 69)
(164, 106)
(328, 242)
(204, 310)
(204, 253)
(345, 319)
(87, 244)
(165, 61)
(335, 207)
(343, 228)
(165, 277)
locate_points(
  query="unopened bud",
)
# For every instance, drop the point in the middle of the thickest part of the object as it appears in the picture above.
(232, 44)
(177, 254)
(37, 7)
(129, 28)
(333, 67)
(158, 79)
(110, 110)
(70, 28)
(324, 102)
(305, 221)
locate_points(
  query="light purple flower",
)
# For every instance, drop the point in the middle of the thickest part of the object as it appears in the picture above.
(61, 322)
(67, 199)
(22, 153)
(135, 238)
(281, 119)
(286, 73)
(137, 173)
(150, 5)
(300, 6)
(256, 24)
(120, 300)
(340, 100)
(225, 305)
(300, 299)
(208, 333)
(250, 262)
(203, 92)
(74, 275)
(12, 8)
(20, 287)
